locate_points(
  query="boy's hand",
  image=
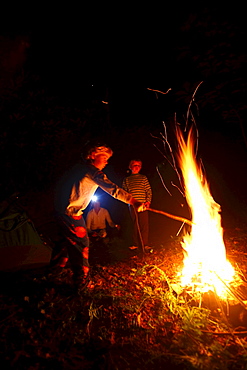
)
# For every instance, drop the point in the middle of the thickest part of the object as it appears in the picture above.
(140, 207)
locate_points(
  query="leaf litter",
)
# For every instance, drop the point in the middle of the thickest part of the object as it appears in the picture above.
(132, 315)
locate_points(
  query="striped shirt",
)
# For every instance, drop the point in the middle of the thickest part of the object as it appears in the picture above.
(138, 186)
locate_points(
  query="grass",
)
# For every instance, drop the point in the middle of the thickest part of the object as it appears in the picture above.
(132, 315)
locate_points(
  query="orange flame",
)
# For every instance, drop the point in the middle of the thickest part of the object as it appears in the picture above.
(205, 264)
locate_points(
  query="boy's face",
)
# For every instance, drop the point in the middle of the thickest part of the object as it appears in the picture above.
(135, 167)
(100, 161)
(96, 205)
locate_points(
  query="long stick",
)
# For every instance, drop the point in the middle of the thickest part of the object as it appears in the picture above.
(171, 216)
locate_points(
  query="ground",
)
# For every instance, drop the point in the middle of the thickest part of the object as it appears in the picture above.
(132, 314)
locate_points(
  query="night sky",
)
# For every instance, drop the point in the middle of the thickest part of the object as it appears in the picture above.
(117, 53)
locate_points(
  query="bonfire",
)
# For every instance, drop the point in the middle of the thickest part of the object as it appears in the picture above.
(205, 264)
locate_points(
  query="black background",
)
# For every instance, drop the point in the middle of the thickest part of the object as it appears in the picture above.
(116, 54)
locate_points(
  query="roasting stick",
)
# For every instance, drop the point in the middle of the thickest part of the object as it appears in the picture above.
(185, 220)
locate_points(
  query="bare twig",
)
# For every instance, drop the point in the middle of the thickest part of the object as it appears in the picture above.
(161, 179)
(172, 216)
(191, 101)
(158, 91)
(180, 228)
(232, 292)
(224, 333)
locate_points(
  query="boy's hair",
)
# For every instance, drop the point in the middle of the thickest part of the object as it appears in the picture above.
(134, 160)
(98, 149)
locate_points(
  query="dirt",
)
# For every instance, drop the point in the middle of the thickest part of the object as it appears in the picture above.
(131, 315)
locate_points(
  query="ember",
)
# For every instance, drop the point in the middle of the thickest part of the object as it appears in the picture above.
(205, 264)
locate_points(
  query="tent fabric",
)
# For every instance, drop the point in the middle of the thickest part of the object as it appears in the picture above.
(20, 244)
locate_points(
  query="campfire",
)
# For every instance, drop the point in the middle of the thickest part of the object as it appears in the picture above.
(205, 266)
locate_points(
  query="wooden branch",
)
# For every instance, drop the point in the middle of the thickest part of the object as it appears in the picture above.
(161, 92)
(182, 219)
(225, 332)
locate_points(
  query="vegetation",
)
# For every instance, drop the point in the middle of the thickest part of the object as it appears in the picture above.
(133, 314)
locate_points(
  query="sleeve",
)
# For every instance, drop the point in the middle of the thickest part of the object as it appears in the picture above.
(124, 185)
(148, 190)
(109, 187)
(89, 220)
(108, 219)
